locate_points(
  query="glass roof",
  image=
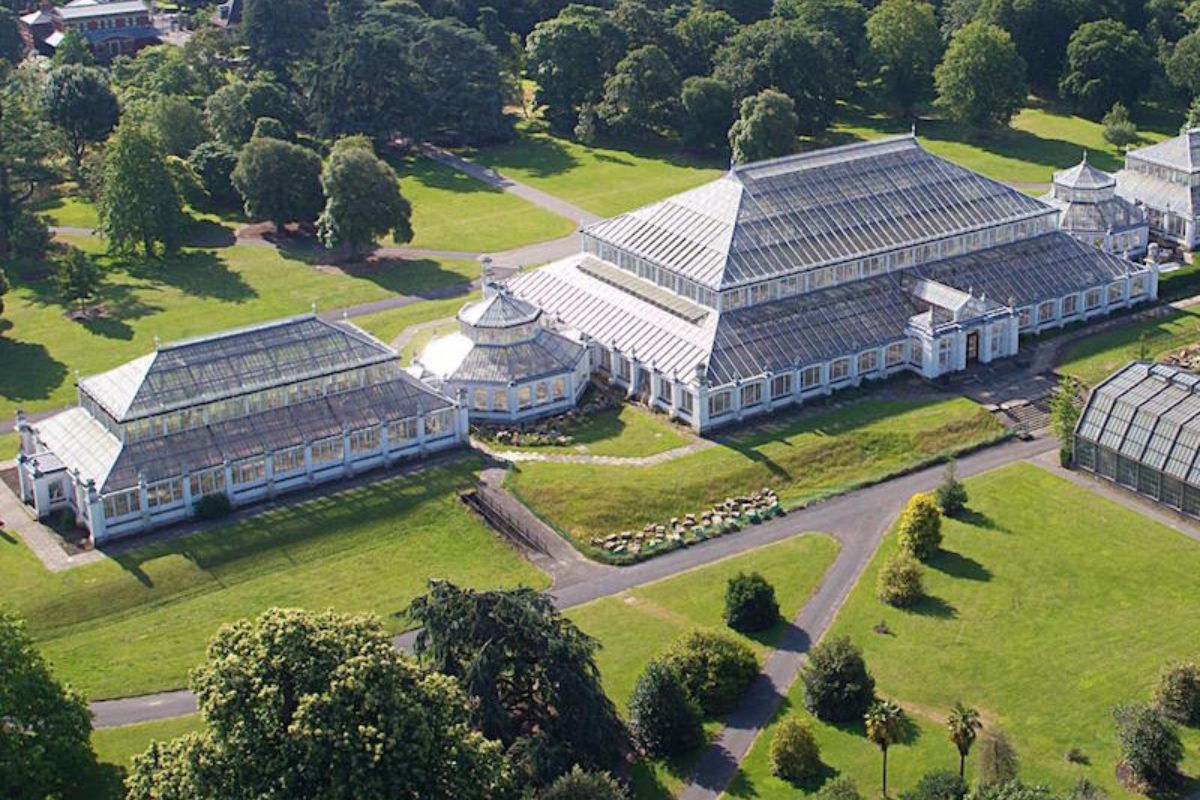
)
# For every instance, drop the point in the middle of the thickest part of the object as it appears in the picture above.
(1149, 413)
(201, 370)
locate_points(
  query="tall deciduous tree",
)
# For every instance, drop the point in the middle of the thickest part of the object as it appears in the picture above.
(1106, 62)
(303, 704)
(279, 181)
(981, 81)
(885, 727)
(963, 725)
(700, 35)
(178, 124)
(278, 33)
(530, 673)
(23, 147)
(73, 49)
(45, 728)
(232, 110)
(1040, 30)
(765, 129)
(744, 11)
(82, 107)
(362, 198)
(139, 204)
(845, 19)
(78, 277)
(568, 57)
(642, 94)
(12, 46)
(805, 64)
(708, 113)
(1183, 65)
(905, 45)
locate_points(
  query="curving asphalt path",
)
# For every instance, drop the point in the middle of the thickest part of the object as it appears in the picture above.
(857, 519)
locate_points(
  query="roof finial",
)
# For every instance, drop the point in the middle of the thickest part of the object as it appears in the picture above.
(1085, 155)
(156, 341)
(914, 128)
(313, 306)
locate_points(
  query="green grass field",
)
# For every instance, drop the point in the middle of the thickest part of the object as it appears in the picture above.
(69, 211)
(139, 622)
(195, 292)
(1040, 141)
(387, 325)
(1092, 359)
(453, 211)
(1040, 621)
(802, 458)
(635, 626)
(628, 431)
(8, 446)
(603, 180)
(118, 746)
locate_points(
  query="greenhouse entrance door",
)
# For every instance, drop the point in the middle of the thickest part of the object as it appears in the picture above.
(972, 348)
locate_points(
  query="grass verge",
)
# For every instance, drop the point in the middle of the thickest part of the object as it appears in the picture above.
(802, 457)
(1042, 623)
(138, 622)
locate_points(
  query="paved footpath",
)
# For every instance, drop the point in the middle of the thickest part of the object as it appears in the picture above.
(857, 519)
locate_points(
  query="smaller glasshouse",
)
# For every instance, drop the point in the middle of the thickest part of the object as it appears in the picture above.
(245, 414)
(1165, 179)
(1141, 430)
(503, 364)
(1091, 211)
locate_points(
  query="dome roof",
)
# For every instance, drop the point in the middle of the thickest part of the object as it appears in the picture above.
(499, 310)
(1084, 176)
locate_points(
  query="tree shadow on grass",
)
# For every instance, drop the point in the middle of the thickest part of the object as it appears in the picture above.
(956, 565)
(208, 233)
(414, 168)
(198, 273)
(977, 519)
(29, 371)
(538, 156)
(936, 607)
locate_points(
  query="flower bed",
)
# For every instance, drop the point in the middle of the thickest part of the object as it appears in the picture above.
(728, 516)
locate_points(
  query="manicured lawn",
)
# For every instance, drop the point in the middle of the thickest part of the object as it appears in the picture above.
(603, 180)
(1040, 141)
(802, 458)
(387, 325)
(118, 746)
(198, 291)
(628, 431)
(69, 212)
(139, 622)
(452, 211)
(637, 625)
(1094, 358)
(8, 446)
(1040, 620)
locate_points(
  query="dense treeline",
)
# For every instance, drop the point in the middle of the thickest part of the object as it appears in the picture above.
(250, 118)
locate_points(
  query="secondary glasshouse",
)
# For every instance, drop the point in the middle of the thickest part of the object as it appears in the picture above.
(507, 365)
(1165, 179)
(245, 415)
(1091, 211)
(788, 279)
(1141, 429)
